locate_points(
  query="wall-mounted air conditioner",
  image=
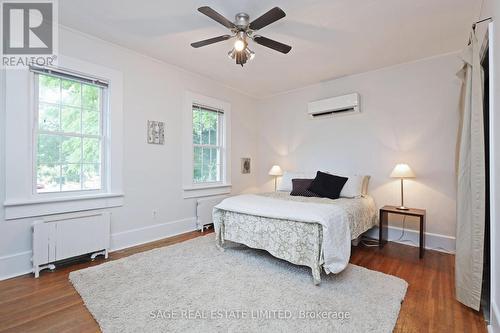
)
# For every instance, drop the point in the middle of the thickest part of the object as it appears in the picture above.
(335, 106)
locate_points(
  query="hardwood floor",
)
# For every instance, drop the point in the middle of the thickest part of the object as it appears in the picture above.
(51, 304)
(429, 305)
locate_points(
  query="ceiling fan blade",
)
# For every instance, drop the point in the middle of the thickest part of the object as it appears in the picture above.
(210, 41)
(216, 17)
(271, 16)
(277, 46)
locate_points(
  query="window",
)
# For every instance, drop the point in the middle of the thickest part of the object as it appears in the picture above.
(44, 174)
(69, 135)
(207, 144)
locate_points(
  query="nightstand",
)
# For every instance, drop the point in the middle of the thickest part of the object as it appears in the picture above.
(383, 224)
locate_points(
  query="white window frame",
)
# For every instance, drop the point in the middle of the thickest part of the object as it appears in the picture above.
(20, 199)
(103, 123)
(192, 189)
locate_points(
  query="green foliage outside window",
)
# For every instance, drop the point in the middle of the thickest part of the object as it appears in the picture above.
(206, 141)
(69, 142)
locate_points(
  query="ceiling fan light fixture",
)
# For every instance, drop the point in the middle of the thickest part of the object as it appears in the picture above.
(239, 45)
(243, 29)
(250, 53)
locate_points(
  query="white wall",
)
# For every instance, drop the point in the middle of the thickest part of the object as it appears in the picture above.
(152, 174)
(409, 114)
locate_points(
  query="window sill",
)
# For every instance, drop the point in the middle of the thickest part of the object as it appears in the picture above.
(197, 191)
(17, 209)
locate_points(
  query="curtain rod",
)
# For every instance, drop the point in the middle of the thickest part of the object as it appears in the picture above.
(481, 21)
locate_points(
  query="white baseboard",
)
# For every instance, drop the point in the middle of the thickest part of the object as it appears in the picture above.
(134, 237)
(20, 263)
(433, 241)
(494, 326)
(15, 264)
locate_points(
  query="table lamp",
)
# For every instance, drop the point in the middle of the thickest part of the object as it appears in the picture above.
(276, 172)
(402, 171)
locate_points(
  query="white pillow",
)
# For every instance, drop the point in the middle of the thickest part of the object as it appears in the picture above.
(356, 186)
(285, 185)
(366, 180)
(353, 188)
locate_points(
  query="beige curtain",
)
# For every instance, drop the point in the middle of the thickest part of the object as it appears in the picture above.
(471, 181)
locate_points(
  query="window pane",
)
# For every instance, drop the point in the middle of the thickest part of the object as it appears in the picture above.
(90, 122)
(204, 126)
(90, 97)
(214, 166)
(204, 133)
(48, 148)
(70, 177)
(71, 150)
(206, 164)
(210, 164)
(91, 150)
(213, 131)
(49, 89)
(197, 126)
(197, 165)
(70, 119)
(71, 93)
(206, 168)
(213, 137)
(48, 117)
(209, 127)
(47, 176)
(91, 176)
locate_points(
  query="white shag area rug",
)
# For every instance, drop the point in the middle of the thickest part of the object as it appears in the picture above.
(194, 287)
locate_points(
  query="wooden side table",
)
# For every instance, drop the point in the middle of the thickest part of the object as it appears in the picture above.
(383, 226)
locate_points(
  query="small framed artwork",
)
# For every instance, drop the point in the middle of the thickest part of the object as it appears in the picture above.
(245, 165)
(156, 132)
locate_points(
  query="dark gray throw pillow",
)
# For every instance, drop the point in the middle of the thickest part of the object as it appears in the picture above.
(300, 188)
(326, 185)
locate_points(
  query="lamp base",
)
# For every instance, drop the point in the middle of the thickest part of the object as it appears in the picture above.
(402, 208)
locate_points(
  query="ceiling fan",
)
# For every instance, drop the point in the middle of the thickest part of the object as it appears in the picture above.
(242, 29)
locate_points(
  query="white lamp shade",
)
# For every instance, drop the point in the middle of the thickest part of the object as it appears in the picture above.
(275, 171)
(402, 170)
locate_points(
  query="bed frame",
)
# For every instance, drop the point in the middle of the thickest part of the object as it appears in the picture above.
(296, 242)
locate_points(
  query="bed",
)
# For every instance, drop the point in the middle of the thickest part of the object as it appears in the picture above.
(314, 232)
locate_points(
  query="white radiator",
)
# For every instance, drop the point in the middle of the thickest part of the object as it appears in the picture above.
(204, 207)
(64, 236)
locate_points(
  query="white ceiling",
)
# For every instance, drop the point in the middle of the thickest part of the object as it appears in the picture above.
(330, 38)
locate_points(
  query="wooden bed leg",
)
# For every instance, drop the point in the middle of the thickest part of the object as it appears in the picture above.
(316, 273)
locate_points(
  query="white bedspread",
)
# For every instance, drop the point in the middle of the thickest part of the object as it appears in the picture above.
(333, 216)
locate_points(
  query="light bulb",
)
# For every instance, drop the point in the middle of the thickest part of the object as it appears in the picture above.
(250, 54)
(239, 45)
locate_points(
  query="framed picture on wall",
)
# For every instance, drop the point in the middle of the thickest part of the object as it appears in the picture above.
(156, 132)
(245, 165)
